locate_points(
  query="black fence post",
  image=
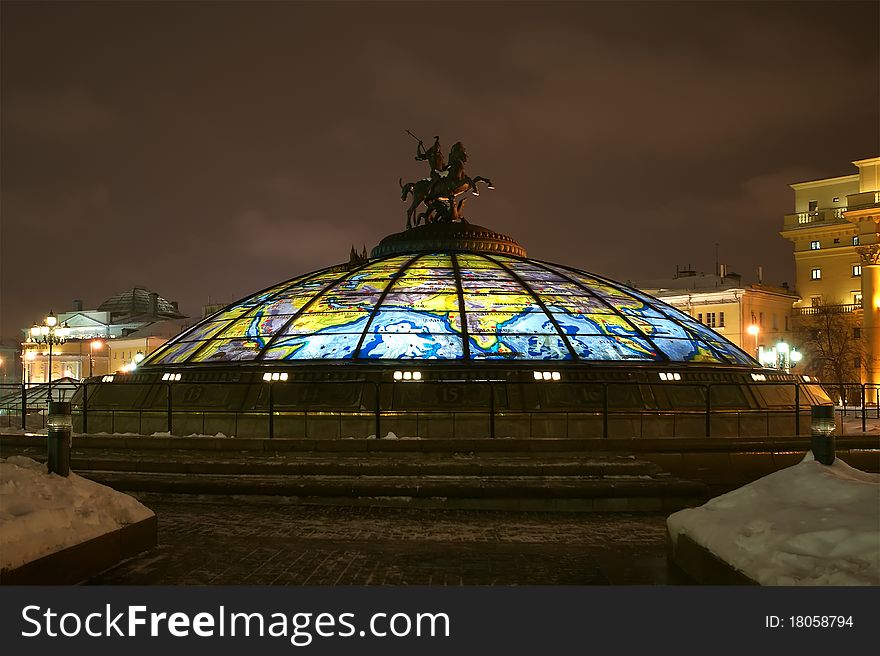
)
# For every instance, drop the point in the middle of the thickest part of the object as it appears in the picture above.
(604, 409)
(272, 412)
(797, 409)
(491, 411)
(23, 406)
(85, 408)
(864, 409)
(378, 410)
(708, 411)
(170, 419)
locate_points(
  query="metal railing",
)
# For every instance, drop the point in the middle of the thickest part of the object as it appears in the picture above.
(457, 409)
(844, 308)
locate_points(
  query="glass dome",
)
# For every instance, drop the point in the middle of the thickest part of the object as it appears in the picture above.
(449, 306)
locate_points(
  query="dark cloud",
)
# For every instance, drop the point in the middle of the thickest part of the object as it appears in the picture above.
(210, 149)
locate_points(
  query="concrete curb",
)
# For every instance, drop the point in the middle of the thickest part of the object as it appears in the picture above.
(701, 565)
(82, 561)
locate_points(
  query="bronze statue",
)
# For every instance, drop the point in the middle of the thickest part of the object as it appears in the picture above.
(439, 192)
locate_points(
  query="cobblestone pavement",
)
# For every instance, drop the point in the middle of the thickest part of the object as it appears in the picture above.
(267, 541)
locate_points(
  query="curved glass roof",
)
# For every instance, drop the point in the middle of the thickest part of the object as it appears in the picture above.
(449, 306)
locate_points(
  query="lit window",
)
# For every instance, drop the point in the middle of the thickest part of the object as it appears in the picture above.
(836, 199)
(815, 274)
(721, 320)
(857, 270)
(710, 319)
(856, 240)
(815, 245)
(836, 240)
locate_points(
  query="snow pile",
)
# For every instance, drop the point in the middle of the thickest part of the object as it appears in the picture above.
(42, 513)
(804, 525)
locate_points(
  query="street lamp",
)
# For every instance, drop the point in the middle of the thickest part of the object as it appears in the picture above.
(753, 330)
(782, 356)
(50, 333)
(94, 344)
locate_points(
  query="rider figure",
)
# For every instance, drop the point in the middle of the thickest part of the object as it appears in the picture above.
(434, 155)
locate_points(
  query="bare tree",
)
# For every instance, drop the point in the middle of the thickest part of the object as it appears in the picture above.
(830, 339)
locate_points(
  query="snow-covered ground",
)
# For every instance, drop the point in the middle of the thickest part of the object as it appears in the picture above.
(41, 513)
(804, 525)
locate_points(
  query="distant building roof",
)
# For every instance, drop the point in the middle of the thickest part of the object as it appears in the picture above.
(702, 282)
(138, 302)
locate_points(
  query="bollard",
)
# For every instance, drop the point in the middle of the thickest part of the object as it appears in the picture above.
(59, 437)
(822, 433)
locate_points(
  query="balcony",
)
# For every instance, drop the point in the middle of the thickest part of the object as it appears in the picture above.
(831, 309)
(863, 200)
(824, 216)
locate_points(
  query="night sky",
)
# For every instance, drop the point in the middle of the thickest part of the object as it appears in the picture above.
(207, 150)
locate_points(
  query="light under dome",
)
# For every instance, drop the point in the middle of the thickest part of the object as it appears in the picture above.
(449, 306)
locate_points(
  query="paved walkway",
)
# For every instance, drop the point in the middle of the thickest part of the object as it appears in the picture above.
(267, 541)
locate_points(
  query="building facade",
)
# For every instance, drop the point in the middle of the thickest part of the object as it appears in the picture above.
(729, 307)
(834, 231)
(99, 341)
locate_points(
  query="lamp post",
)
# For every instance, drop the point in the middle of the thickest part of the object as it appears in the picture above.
(753, 330)
(50, 333)
(94, 344)
(782, 356)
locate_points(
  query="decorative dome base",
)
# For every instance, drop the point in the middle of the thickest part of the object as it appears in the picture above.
(448, 236)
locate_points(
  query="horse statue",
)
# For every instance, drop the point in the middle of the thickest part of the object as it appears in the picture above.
(439, 192)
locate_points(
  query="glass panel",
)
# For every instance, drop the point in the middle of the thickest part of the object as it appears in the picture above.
(473, 261)
(518, 347)
(177, 353)
(358, 284)
(553, 287)
(595, 324)
(424, 272)
(433, 260)
(232, 313)
(531, 321)
(533, 273)
(660, 328)
(408, 321)
(314, 347)
(498, 285)
(334, 301)
(686, 350)
(288, 304)
(426, 285)
(482, 274)
(501, 302)
(227, 350)
(257, 326)
(310, 323)
(581, 304)
(422, 302)
(613, 348)
(401, 345)
(202, 331)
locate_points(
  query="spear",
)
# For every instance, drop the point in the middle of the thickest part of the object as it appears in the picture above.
(414, 136)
